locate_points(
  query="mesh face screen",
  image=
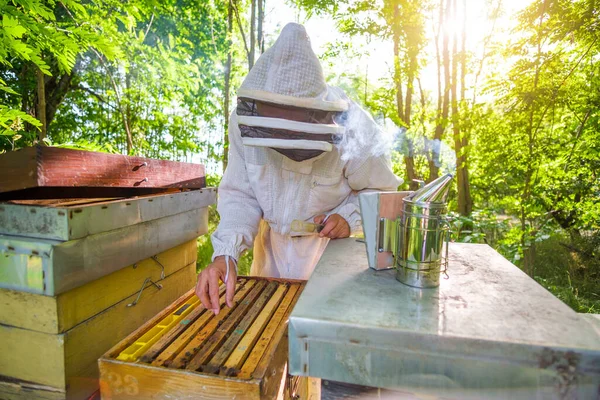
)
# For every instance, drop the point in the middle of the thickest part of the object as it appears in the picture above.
(253, 108)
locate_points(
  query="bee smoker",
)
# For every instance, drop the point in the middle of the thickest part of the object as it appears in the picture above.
(407, 231)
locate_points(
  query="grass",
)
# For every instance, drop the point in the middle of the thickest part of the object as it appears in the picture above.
(567, 274)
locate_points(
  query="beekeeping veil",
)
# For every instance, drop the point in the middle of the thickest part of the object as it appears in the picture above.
(284, 102)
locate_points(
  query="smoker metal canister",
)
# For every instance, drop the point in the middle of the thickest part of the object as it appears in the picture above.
(422, 231)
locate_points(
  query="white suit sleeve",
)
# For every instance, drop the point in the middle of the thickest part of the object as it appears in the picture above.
(238, 208)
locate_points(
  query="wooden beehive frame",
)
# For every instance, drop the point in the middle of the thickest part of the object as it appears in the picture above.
(241, 351)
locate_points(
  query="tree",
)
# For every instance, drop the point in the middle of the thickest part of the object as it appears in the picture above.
(465, 204)
(546, 101)
(403, 22)
(39, 46)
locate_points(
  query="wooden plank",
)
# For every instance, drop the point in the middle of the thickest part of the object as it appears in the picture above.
(80, 261)
(313, 389)
(68, 265)
(18, 170)
(183, 341)
(70, 359)
(19, 390)
(140, 346)
(55, 203)
(57, 314)
(239, 354)
(56, 167)
(52, 192)
(181, 359)
(32, 356)
(263, 344)
(86, 301)
(172, 343)
(31, 311)
(126, 381)
(225, 328)
(281, 332)
(75, 219)
(272, 381)
(223, 353)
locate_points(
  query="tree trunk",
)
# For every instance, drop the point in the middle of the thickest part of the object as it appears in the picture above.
(434, 158)
(454, 104)
(56, 90)
(423, 99)
(25, 92)
(397, 74)
(466, 133)
(252, 34)
(462, 173)
(127, 116)
(443, 121)
(227, 86)
(526, 239)
(410, 87)
(455, 117)
(259, 29)
(41, 104)
(408, 158)
(463, 52)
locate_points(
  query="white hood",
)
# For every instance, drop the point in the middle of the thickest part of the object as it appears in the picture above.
(289, 73)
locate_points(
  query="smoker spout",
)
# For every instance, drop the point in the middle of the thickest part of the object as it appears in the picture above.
(434, 192)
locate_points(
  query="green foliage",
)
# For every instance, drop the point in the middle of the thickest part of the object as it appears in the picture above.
(205, 249)
(11, 122)
(165, 91)
(140, 76)
(571, 270)
(536, 146)
(45, 35)
(534, 151)
(483, 226)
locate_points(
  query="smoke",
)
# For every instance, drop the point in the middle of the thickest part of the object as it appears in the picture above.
(365, 137)
(433, 150)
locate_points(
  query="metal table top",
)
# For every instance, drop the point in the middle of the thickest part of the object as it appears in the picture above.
(488, 330)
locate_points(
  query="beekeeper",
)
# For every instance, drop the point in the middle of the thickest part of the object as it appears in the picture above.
(287, 162)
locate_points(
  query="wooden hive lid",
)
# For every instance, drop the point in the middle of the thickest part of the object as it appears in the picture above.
(42, 172)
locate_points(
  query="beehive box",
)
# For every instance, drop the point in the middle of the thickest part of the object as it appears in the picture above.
(50, 247)
(49, 345)
(187, 352)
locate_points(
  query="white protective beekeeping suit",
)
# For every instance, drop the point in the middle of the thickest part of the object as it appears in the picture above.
(280, 170)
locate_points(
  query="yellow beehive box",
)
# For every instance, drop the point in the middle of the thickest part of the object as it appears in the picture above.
(57, 314)
(38, 362)
(187, 352)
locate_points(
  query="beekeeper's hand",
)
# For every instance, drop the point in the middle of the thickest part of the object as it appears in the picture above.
(207, 287)
(336, 227)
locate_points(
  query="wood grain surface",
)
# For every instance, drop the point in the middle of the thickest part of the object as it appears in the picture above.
(52, 167)
(240, 352)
